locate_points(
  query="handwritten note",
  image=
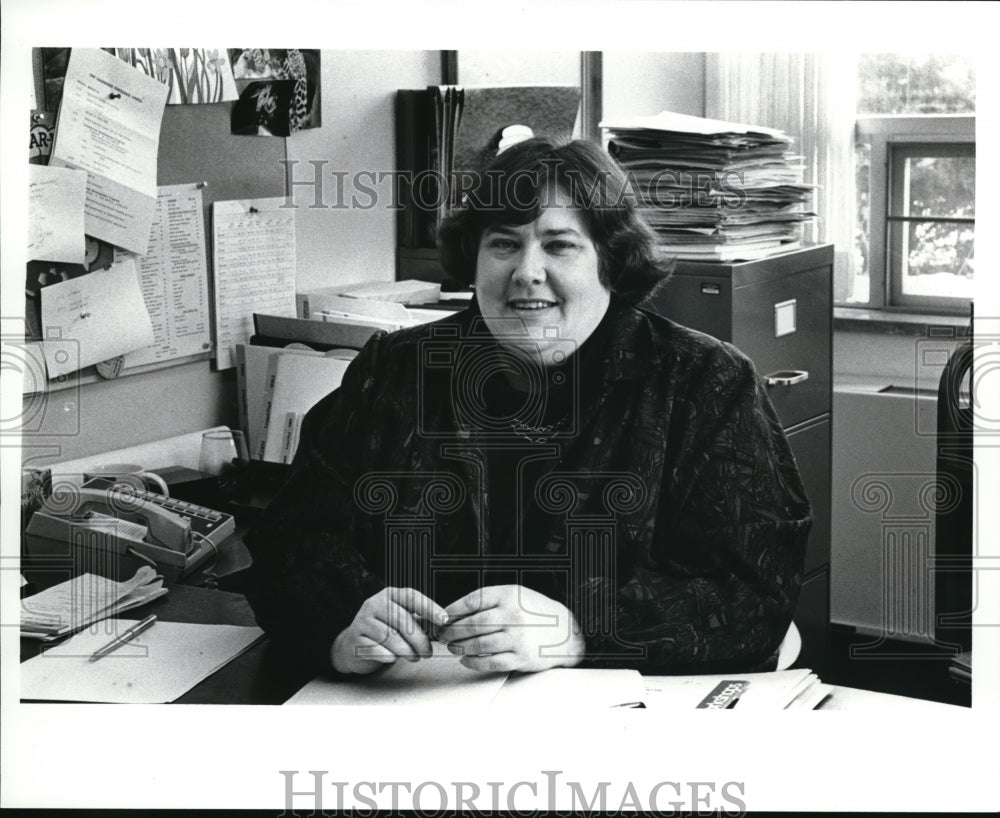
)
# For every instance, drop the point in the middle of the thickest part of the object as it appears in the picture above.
(254, 268)
(109, 126)
(55, 214)
(173, 276)
(94, 317)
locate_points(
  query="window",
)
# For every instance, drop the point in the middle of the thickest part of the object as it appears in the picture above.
(915, 162)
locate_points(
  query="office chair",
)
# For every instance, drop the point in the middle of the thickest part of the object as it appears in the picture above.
(790, 648)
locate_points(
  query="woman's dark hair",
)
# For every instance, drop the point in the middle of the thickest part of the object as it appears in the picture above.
(524, 179)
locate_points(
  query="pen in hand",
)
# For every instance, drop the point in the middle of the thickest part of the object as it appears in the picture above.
(127, 636)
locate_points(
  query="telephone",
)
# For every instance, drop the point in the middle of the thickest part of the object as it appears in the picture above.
(112, 529)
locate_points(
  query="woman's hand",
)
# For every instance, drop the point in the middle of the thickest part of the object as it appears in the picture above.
(510, 627)
(389, 625)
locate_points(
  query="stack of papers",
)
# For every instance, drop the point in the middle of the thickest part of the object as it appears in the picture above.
(76, 603)
(780, 690)
(712, 190)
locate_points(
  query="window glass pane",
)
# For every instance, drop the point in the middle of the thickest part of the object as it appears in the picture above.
(856, 289)
(937, 259)
(940, 186)
(916, 84)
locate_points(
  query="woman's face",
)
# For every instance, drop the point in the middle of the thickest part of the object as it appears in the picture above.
(537, 284)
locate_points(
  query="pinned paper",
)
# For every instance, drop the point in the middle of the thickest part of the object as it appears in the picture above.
(254, 262)
(56, 199)
(109, 126)
(173, 276)
(94, 317)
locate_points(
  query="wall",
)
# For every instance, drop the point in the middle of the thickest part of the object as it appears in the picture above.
(333, 245)
(344, 244)
(640, 83)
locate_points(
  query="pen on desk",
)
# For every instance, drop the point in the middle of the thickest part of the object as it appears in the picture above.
(127, 636)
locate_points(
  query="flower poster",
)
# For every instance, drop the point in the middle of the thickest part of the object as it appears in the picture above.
(192, 75)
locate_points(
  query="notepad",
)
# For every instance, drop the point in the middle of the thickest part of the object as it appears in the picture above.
(88, 598)
(159, 665)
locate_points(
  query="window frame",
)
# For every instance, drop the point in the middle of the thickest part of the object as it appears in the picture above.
(889, 136)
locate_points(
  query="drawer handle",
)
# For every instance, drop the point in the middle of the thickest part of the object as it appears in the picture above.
(786, 377)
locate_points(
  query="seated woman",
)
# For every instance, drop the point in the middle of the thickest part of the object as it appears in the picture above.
(552, 476)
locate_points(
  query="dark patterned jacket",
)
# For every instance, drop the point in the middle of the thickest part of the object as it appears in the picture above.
(667, 512)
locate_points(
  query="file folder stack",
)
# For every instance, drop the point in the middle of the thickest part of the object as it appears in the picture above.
(713, 190)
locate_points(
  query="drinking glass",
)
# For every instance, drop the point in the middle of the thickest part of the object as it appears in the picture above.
(221, 449)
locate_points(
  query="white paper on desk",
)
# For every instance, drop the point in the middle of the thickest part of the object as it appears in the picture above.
(173, 276)
(440, 681)
(254, 255)
(109, 126)
(56, 198)
(94, 317)
(580, 688)
(159, 665)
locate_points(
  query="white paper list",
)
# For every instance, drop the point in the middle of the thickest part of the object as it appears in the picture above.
(173, 276)
(254, 255)
(109, 126)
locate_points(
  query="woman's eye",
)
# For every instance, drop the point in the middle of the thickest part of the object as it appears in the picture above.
(560, 246)
(504, 245)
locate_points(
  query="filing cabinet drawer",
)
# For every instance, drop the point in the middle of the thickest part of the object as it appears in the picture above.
(737, 302)
(797, 341)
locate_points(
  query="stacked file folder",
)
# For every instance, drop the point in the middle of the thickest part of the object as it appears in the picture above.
(713, 190)
(290, 364)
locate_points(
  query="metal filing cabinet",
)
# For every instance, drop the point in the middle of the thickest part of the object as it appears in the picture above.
(779, 311)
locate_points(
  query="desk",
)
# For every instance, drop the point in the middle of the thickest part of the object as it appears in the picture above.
(259, 677)
(253, 677)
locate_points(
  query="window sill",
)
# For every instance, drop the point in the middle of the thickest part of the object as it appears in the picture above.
(852, 319)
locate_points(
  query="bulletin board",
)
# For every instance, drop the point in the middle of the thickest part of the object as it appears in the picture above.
(196, 146)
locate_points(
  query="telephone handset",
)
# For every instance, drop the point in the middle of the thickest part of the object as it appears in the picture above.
(164, 527)
(115, 529)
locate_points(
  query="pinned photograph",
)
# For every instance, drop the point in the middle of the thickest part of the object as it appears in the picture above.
(300, 66)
